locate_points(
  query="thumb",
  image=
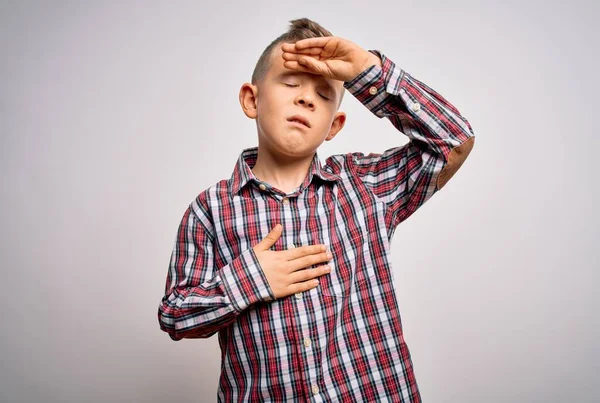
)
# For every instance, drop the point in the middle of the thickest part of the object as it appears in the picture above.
(270, 239)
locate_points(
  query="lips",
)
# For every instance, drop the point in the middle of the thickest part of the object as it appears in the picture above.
(299, 119)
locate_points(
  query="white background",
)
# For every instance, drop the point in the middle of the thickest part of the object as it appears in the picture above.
(115, 115)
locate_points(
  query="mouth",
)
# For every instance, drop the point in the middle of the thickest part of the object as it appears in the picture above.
(299, 120)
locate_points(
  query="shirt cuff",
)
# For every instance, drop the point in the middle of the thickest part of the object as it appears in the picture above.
(245, 282)
(375, 86)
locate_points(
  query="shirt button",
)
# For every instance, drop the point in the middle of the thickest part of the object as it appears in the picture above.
(315, 388)
(291, 246)
(416, 107)
(262, 186)
(373, 90)
(298, 295)
(285, 200)
(307, 342)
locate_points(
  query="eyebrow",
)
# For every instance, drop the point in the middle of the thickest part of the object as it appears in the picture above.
(286, 74)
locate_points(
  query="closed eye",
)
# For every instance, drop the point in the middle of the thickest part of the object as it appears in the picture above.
(295, 85)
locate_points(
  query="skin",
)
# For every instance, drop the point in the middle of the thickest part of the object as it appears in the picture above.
(285, 151)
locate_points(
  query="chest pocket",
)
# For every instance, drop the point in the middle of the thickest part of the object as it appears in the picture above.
(350, 266)
(346, 214)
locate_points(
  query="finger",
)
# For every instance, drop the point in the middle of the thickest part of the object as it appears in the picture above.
(307, 250)
(296, 56)
(290, 56)
(291, 47)
(288, 47)
(306, 64)
(312, 42)
(293, 65)
(307, 261)
(312, 64)
(305, 286)
(309, 274)
(307, 51)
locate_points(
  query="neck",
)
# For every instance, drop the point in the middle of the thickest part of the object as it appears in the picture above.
(281, 172)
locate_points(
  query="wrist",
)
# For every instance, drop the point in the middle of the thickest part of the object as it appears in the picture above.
(375, 60)
(371, 60)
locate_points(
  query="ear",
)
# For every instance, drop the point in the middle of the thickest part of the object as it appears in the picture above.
(338, 122)
(248, 94)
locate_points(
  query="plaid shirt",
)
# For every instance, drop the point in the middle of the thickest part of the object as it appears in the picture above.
(343, 340)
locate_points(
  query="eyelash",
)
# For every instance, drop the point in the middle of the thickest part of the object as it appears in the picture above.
(295, 85)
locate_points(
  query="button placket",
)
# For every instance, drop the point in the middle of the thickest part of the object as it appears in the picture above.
(298, 294)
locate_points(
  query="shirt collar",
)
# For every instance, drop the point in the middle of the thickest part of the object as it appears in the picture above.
(242, 172)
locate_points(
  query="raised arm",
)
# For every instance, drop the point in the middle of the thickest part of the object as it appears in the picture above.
(440, 138)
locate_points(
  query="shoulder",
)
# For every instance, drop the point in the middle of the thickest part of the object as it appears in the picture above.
(345, 164)
(207, 200)
(337, 164)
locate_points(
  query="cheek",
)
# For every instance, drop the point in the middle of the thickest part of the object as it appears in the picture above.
(273, 102)
(271, 112)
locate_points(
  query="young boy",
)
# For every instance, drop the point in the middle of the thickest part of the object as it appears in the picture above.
(296, 322)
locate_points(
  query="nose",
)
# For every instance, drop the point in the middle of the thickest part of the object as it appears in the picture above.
(305, 99)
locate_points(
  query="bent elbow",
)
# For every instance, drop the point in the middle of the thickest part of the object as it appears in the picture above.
(456, 158)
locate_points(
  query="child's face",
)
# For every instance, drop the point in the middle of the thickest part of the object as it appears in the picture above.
(284, 93)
